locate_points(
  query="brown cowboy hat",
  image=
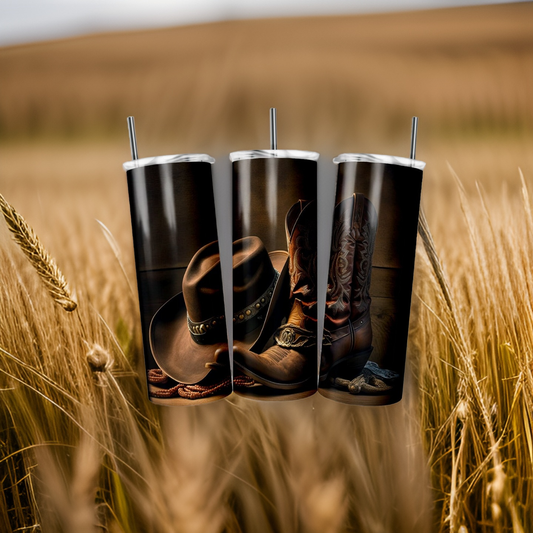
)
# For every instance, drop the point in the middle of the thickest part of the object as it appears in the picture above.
(188, 333)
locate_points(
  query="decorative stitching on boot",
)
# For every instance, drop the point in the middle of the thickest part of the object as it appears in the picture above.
(341, 266)
(366, 223)
(302, 264)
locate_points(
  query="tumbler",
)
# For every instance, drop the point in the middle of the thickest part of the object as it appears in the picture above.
(179, 278)
(274, 199)
(370, 276)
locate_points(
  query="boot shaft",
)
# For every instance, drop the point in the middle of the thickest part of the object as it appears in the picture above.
(352, 246)
(341, 266)
(365, 227)
(347, 339)
(301, 226)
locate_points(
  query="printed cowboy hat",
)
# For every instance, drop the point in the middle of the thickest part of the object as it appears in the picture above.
(188, 333)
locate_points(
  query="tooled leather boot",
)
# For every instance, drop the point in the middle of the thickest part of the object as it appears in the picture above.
(347, 341)
(291, 362)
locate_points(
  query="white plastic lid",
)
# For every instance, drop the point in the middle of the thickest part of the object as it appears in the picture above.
(163, 159)
(265, 154)
(376, 158)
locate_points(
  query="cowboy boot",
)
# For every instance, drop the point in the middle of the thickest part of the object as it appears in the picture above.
(347, 341)
(291, 362)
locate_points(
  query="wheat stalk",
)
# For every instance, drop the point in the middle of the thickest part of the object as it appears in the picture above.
(465, 353)
(431, 251)
(40, 259)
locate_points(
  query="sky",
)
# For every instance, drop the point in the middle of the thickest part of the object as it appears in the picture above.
(24, 21)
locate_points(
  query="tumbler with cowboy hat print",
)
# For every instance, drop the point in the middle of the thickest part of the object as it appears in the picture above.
(178, 277)
(275, 305)
(370, 277)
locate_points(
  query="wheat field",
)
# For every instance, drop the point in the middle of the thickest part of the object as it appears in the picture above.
(81, 448)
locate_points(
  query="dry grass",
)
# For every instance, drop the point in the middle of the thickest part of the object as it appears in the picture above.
(475, 349)
(80, 447)
(84, 449)
(338, 82)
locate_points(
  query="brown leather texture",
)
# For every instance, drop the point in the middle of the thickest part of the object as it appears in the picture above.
(347, 324)
(395, 193)
(291, 361)
(188, 333)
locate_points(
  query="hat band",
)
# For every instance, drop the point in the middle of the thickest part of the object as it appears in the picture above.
(256, 307)
(207, 332)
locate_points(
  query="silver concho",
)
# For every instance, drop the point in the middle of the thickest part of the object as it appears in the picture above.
(286, 338)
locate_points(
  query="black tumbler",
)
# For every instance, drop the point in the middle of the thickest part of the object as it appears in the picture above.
(179, 278)
(370, 278)
(274, 273)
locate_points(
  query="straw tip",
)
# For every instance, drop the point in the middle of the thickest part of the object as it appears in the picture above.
(414, 131)
(133, 140)
(273, 130)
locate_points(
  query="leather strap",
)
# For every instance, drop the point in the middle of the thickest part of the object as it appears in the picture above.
(350, 328)
(209, 331)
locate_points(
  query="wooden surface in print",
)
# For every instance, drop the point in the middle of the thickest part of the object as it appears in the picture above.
(264, 190)
(395, 193)
(173, 216)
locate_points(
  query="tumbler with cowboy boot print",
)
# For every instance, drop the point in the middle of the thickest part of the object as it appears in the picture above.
(179, 278)
(370, 278)
(275, 336)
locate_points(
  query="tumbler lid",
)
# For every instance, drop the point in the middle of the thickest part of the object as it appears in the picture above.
(266, 154)
(376, 158)
(163, 159)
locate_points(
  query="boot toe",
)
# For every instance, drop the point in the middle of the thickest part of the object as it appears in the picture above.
(276, 367)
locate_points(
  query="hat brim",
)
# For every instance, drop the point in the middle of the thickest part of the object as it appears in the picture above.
(173, 348)
(278, 258)
(171, 343)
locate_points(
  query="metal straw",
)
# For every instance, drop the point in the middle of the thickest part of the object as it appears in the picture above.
(273, 130)
(414, 130)
(133, 139)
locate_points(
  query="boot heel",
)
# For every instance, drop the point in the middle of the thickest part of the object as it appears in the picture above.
(348, 367)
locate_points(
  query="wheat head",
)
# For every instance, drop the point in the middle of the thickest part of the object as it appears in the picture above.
(40, 259)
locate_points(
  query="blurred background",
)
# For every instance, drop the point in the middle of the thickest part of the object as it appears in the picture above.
(27, 21)
(201, 77)
(342, 81)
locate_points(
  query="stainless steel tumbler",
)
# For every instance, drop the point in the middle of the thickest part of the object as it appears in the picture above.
(179, 278)
(370, 277)
(274, 273)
